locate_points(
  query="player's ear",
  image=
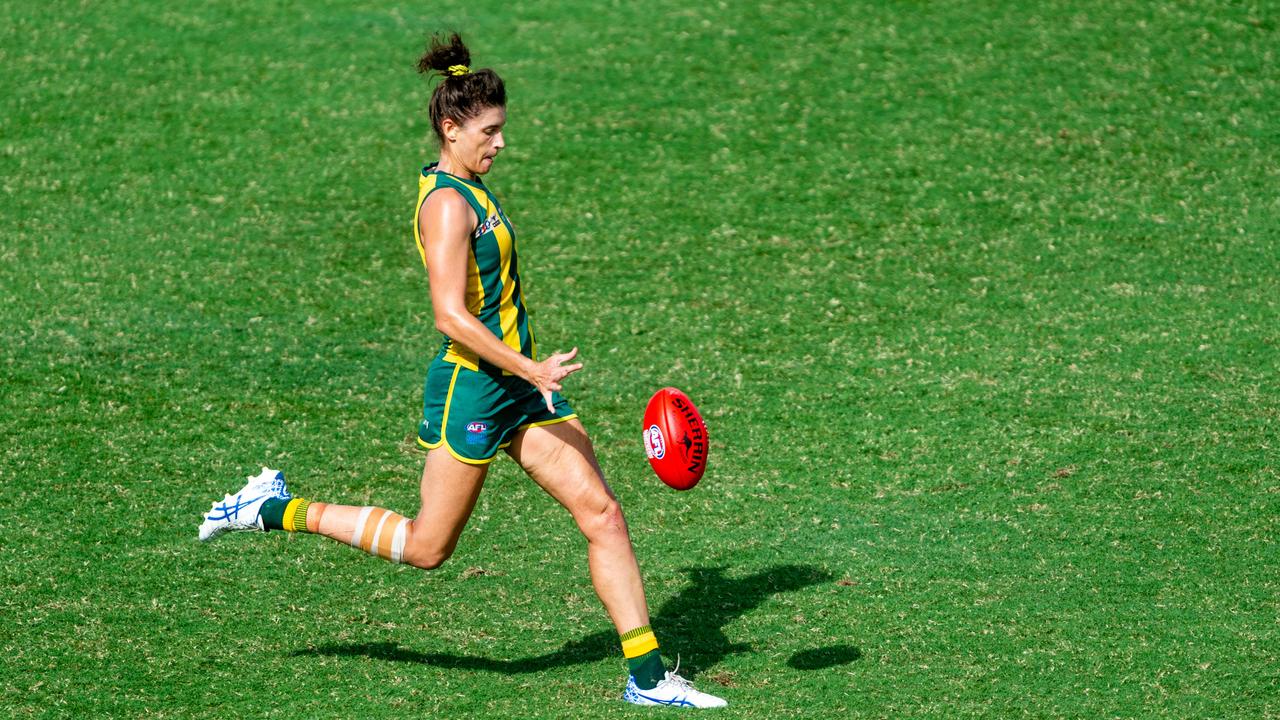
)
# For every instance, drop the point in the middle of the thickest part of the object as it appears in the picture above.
(450, 129)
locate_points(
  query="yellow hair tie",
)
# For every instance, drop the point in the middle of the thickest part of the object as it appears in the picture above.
(456, 70)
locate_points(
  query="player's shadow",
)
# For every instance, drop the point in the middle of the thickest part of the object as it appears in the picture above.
(824, 657)
(693, 620)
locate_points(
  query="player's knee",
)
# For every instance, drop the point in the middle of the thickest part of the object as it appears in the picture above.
(605, 521)
(427, 558)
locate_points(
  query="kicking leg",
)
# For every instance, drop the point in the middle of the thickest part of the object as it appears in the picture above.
(449, 490)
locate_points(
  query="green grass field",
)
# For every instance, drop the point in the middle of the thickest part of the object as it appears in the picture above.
(980, 304)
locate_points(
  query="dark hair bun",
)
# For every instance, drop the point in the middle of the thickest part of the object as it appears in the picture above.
(443, 53)
(463, 93)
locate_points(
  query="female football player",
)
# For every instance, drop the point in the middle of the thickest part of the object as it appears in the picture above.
(485, 391)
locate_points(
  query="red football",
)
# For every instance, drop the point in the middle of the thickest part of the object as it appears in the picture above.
(675, 438)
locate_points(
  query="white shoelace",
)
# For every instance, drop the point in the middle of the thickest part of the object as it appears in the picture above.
(673, 677)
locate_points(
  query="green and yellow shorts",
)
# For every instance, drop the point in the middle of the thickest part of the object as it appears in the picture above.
(475, 413)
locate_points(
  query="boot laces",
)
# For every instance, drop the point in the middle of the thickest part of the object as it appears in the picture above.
(673, 677)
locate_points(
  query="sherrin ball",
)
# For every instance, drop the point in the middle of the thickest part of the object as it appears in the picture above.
(675, 438)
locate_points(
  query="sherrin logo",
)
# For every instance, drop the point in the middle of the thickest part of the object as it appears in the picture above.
(694, 444)
(654, 446)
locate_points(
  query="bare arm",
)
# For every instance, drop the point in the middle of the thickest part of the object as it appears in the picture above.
(445, 223)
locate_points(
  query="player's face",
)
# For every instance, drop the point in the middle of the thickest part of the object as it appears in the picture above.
(479, 140)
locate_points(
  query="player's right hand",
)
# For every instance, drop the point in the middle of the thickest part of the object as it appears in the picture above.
(546, 375)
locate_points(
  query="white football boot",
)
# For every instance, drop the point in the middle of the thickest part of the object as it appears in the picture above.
(240, 511)
(673, 691)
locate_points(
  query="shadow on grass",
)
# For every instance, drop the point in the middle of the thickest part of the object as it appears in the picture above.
(825, 657)
(691, 623)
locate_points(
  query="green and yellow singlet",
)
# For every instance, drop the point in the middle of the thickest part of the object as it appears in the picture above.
(493, 279)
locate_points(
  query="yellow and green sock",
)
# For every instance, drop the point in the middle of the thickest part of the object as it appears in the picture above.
(289, 515)
(640, 646)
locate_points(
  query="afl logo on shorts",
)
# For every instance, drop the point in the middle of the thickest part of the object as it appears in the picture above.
(654, 446)
(476, 432)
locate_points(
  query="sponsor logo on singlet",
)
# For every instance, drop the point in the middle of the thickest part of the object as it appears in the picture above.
(492, 222)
